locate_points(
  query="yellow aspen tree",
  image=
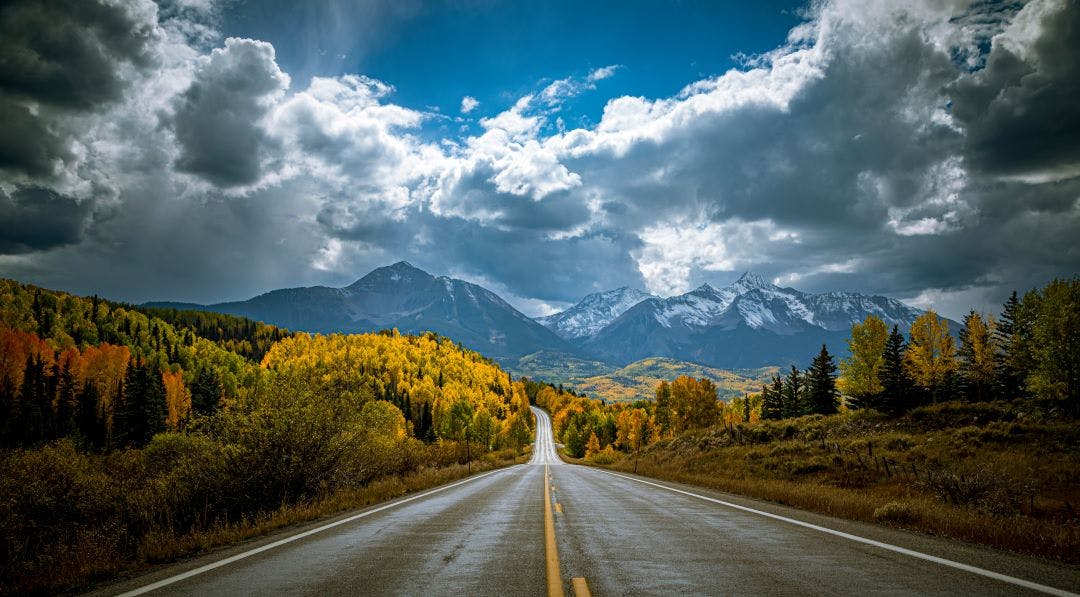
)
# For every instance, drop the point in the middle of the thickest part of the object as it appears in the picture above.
(860, 374)
(931, 353)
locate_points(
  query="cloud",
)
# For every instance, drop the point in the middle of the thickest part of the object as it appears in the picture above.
(218, 119)
(604, 72)
(38, 219)
(60, 58)
(1020, 112)
(468, 104)
(914, 149)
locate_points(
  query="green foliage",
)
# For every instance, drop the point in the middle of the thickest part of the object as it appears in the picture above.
(1055, 330)
(822, 397)
(898, 394)
(861, 372)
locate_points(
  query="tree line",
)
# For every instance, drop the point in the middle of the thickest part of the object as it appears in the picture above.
(1031, 353)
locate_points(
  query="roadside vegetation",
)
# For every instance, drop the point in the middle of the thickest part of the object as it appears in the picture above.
(129, 438)
(975, 437)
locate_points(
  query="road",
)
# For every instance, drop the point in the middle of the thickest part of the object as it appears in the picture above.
(547, 528)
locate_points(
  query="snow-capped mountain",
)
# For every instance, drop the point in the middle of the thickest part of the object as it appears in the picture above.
(407, 298)
(760, 304)
(750, 322)
(593, 312)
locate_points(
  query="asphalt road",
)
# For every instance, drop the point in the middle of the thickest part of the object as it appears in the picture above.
(610, 534)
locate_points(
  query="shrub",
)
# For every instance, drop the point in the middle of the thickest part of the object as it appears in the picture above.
(605, 456)
(896, 513)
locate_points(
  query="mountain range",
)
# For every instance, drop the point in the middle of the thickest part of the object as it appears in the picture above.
(407, 298)
(749, 323)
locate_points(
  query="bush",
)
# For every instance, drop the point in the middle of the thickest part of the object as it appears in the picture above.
(606, 456)
(896, 513)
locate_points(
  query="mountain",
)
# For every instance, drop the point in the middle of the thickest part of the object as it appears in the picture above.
(746, 324)
(593, 312)
(407, 298)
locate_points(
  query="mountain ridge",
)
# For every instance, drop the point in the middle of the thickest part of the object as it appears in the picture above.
(409, 299)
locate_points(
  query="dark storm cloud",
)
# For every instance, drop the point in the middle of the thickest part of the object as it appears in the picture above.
(27, 143)
(38, 219)
(62, 56)
(217, 119)
(1023, 114)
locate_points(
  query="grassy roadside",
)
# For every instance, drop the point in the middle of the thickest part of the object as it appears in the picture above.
(88, 566)
(982, 473)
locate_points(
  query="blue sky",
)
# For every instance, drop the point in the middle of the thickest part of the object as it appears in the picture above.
(210, 150)
(496, 51)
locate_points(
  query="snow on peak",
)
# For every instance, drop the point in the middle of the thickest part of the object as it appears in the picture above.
(755, 302)
(593, 312)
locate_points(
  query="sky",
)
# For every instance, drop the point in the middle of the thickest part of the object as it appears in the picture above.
(205, 151)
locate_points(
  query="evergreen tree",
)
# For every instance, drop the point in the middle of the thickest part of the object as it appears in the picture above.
(8, 414)
(143, 411)
(66, 423)
(897, 393)
(206, 392)
(746, 409)
(822, 396)
(35, 409)
(772, 400)
(792, 394)
(88, 418)
(1010, 339)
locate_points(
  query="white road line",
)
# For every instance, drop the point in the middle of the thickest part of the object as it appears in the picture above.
(893, 548)
(218, 564)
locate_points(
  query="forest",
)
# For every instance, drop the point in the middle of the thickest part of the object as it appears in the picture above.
(133, 435)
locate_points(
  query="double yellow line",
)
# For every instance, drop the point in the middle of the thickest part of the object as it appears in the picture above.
(551, 548)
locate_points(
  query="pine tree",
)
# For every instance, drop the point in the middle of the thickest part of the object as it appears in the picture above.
(792, 394)
(35, 410)
(746, 408)
(897, 393)
(88, 418)
(8, 413)
(65, 403)
(772, 400)
(144, 409)
(822, 396)
(1009, 334)
(206, 392)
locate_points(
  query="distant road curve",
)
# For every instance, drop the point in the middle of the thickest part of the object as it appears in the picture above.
(611, 534)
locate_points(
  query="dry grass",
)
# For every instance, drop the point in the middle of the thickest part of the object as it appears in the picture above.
(989, 478)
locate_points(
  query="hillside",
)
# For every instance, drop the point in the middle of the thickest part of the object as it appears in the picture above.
(638, 380)
(127, 437)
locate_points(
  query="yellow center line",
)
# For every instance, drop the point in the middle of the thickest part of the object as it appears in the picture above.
(581, 588)
(554, 577)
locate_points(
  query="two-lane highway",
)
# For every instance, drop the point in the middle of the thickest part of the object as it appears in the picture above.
(546, 527)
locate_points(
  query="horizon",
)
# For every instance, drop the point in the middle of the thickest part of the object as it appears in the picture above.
(209, 152)
(744, 274)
